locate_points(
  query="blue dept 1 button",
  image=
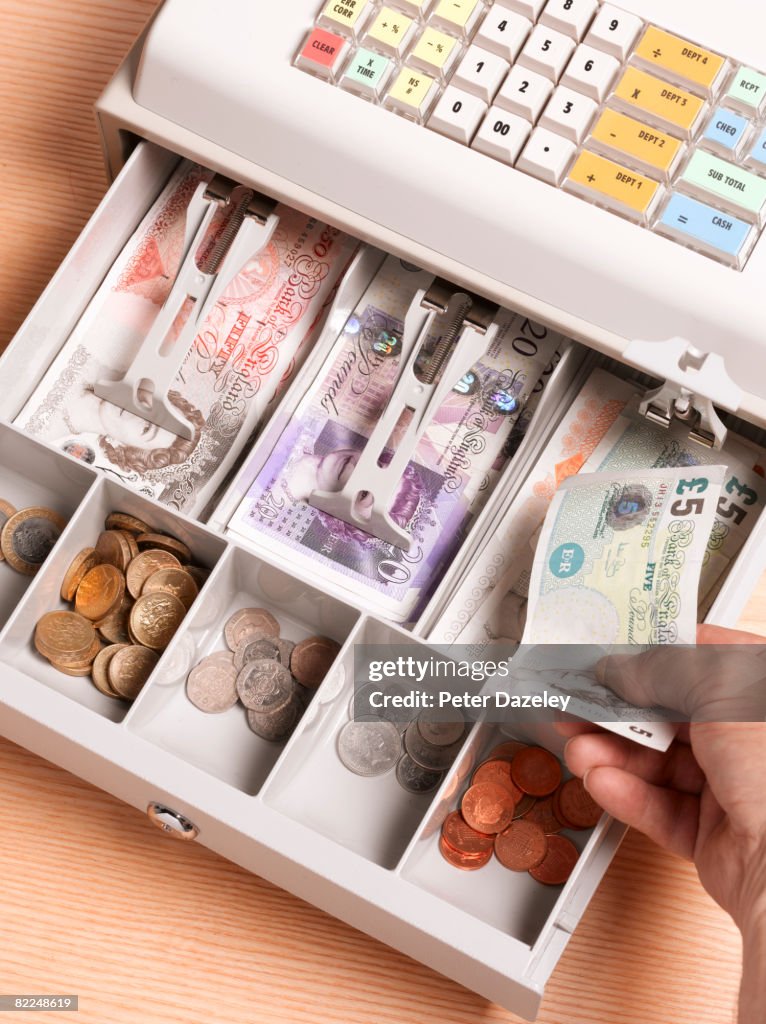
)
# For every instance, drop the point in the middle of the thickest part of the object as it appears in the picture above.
(718, 234)
(725, 131)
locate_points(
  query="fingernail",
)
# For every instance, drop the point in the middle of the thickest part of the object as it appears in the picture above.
(585, 780)
(609, 665)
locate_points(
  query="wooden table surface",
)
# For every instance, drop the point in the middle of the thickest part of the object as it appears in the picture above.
(93, 899)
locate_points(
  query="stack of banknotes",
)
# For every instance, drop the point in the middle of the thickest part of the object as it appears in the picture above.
(451, 472)
(249, 347)
(603, 433)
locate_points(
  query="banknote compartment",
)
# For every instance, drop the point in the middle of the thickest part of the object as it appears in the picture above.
(71, 289)
(372, 816)
(35, 474)
(509, 902)
(17, 648)
(223, 744)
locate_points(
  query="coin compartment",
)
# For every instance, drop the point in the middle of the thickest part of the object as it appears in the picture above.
(373, 816)
(16, 643)
(509, 902)
(34, 474)
(223, 744)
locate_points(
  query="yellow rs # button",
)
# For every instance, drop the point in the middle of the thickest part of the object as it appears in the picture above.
(610, 184)
(681, 59)
(649, 148)
(652, 98)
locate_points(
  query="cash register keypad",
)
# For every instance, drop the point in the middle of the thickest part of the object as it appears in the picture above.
(579, 94)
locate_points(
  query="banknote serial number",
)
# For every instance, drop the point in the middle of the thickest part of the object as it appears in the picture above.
(38, 1002)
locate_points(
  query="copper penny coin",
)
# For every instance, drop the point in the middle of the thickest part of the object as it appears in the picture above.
(521, 846)
(558, 863)
(543, 814)
(507, 751)
(312, 658)
(80, 565)
(124, 521)
(164, 542)
(497, 771)
(464, 861)
(142, 567)
(459, 834)
(101, 592)
(536, 771)
(577, 806)
(524, 806)
(487, 807)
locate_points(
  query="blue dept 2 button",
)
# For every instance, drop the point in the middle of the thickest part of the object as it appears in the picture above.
(725, 131)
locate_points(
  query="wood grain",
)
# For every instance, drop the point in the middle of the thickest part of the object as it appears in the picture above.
(94, 900)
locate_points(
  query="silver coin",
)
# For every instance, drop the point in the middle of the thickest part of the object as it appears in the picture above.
(359, 705)
(278, 726)
(265, 686)
(285, 649)
(441, 728)
(254, 648)
(428, 755)
(244, 623)
(211, 685)
(415, 779)
(369, 748)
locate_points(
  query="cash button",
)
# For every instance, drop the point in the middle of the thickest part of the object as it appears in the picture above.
(726, 131)
(681, 59)
(718, 234)
(610, 184)
(737, 189)
(748, 90)
(656, 100)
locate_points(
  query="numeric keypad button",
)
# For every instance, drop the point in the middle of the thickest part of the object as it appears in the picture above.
(569, 113)
(546, 156)
(591, 71)
(502, 135)
(457, 115)
(524, 92)
(503, 32)
(614, 31)
(481, 73)
(547, 52)
(571, 17)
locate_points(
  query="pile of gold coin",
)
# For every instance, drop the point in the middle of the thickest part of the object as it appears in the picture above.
(27, 536)
(130, 594)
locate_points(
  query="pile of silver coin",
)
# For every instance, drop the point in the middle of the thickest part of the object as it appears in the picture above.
(274, 678)
(374, 742)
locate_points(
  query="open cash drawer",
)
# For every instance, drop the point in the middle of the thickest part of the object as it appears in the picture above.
(362, 849)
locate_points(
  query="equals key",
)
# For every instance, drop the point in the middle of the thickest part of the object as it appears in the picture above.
(717, 234)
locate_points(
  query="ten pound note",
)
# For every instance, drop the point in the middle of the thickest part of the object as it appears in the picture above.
(249, 347)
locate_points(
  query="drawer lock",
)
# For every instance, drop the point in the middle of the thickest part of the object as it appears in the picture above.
(171, 822)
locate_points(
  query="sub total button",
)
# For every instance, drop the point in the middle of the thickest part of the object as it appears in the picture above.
(738, 190)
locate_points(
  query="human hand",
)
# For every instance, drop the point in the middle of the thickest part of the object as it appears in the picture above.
(703, 799)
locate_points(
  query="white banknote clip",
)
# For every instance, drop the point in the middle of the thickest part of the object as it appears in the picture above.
(369, 492)
(143, 390)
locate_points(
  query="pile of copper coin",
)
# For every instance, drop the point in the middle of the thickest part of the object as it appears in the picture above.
(130, 594)
(421, 749)
(515, 807)
(27, 536)
(274, 678)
